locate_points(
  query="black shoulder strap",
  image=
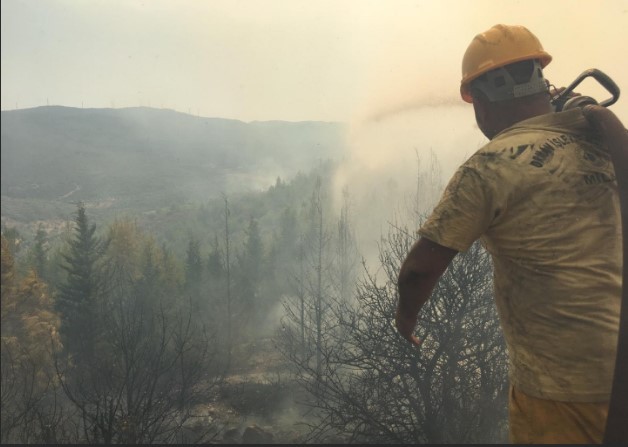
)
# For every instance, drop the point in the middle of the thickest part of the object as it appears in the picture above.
(617, 422)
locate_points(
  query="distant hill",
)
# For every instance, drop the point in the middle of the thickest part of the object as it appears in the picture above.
(143, 158)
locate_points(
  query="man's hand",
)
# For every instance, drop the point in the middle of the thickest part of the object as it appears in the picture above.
(405, 325)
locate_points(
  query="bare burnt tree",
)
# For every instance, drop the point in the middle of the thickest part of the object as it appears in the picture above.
(19, 394)
(307, 310)
(346, 256)
(295, 307)
(152, 361)
(153, 366)
(33, 409)
(227, 268)
(374, 387)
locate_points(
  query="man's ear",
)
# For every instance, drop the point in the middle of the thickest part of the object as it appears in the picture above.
(482, 115)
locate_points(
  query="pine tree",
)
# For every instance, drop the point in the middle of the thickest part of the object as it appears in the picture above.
(193, 265)
(215, 269)
(283, 252)
(151, 360)
(78, 298)
(251, 261)
(40, 253)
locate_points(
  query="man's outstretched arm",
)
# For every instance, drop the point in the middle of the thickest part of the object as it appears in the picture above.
(419, 273)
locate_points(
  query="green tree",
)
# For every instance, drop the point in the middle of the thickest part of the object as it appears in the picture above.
(154, 361)
(250, 263)
(78, 298)
(194, 273)
(40, 253)
(285, 248)
(157, 278)
(193, 264)
(215, 268)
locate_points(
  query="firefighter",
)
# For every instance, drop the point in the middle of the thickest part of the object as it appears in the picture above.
(542, 198)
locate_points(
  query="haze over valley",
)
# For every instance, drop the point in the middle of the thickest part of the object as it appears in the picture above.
(144, 158)
(205, 206)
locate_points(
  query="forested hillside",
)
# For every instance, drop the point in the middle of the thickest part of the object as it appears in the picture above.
(141, 159)
(245, 315)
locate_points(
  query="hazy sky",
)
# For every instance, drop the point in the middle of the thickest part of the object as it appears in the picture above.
(282, 59)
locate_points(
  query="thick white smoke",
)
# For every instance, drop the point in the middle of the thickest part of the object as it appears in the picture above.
(400, 158)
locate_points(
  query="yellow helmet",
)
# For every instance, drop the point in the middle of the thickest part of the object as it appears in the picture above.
(500, 45)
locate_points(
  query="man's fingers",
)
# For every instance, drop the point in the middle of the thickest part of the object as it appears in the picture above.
(556, 91)
(412, 338)
(405, 327)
